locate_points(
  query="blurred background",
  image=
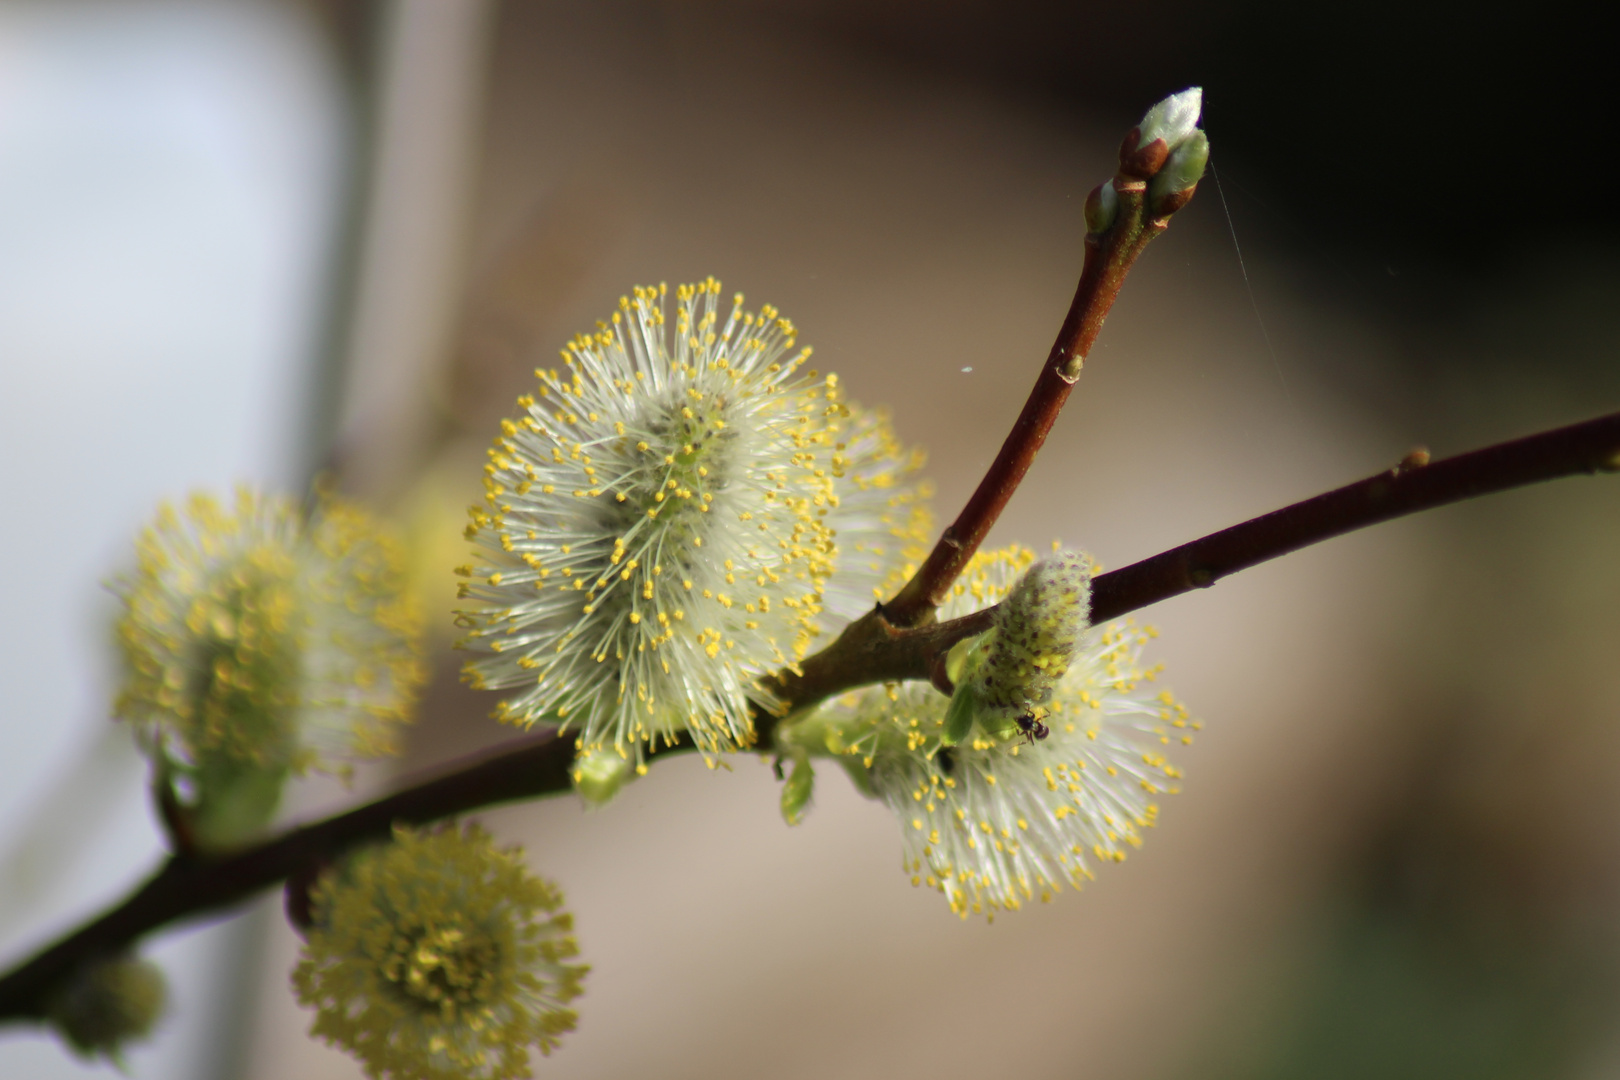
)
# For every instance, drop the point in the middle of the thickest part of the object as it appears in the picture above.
(250, 240)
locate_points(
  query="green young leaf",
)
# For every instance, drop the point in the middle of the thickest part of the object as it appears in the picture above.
(959, 718)
(798, 789)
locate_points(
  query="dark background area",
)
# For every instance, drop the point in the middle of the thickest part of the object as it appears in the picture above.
(1443, 141)
(1422, 163)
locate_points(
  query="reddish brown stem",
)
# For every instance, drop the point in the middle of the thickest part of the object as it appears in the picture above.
(1589, 447)
(1109, 257)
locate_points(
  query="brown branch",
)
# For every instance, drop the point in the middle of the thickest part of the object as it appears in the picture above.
(876, 651)
(870, 650)
(1589, 447)
(1109, 257)
(187, 886)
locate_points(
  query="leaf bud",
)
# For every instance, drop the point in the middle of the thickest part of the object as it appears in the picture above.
(108, 1003)
(1102, 207)
(1174, 119)
(1166, 126)
(1171, 189)
(599, 774)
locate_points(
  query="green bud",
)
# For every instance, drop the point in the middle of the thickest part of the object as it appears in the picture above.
(1174, 119)
(797, 790)
(599, 774)
(109, 1003)
(1181, 173)
(964, 709)
(1102, 207)
(232, 801)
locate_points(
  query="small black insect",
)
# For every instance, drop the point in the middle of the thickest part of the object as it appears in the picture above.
(1032, 728)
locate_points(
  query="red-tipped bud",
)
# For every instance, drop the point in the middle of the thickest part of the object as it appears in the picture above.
(1141, 159)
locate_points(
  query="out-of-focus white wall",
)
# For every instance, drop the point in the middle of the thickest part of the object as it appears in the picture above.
(170, 175)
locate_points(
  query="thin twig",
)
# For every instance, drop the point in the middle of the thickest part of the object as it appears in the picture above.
(870, 650)
(1109, 257)
(1589, 447)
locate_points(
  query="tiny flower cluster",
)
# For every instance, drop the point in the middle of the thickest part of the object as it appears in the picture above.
(260, 642)
(1005, 678)
(439, 957)
(664, 519)
(1002, 819)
